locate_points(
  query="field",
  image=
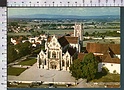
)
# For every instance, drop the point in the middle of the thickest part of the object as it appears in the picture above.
(18, 34)
(90, 31)
(85, 30)
(28, 62)
(107, 78)
(15, 71)
(106, 41)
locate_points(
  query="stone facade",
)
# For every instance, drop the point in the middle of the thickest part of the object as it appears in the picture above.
(59, 52)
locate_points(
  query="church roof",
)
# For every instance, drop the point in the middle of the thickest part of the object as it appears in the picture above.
(73, 40)
(71, 51)
(49, 38)
(63, 41)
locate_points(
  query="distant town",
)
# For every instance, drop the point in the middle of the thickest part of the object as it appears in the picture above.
(63, 53)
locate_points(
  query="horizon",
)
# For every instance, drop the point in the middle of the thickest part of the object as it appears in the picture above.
(79, 12)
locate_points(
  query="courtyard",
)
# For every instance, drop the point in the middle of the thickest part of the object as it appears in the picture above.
(59, 78)
(35, 74)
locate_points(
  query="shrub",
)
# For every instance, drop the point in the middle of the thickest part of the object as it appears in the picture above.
(115, 72)
(105, 70)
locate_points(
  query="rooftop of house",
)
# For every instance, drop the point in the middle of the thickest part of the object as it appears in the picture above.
(108, 51)
(108, 59)
(103, 48)
(81, 56)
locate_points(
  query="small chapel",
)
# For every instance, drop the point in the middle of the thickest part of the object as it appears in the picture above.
(60, 52)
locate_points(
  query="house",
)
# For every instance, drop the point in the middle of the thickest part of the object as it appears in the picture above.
(37, 39)
(108, 54)
(16, 40)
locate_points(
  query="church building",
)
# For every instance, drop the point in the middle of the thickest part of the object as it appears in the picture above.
(60, 52)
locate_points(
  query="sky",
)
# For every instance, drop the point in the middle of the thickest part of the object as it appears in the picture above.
(90, 11)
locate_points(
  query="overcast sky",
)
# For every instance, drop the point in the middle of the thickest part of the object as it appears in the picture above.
(65, 11)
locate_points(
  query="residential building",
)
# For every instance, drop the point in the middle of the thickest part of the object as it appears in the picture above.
(108, 56)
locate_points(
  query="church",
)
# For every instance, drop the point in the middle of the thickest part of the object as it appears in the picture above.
(60, 52)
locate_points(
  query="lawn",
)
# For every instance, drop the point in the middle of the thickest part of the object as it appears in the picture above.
(29, 62)
(18, 34)
(15, 71)
(85, 30)
(107, 78)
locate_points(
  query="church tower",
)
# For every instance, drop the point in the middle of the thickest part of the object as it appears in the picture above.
(78, 31)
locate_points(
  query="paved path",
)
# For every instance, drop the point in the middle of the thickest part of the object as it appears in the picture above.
(18, 60)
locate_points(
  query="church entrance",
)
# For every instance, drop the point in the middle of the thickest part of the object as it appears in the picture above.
(53, 65)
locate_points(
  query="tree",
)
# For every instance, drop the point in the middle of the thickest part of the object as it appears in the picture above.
(105, 70)
(86, 34)
(11, 54)
(23, 48)
(90, 66)
(13, 24)
(75, 69)
(87, 68)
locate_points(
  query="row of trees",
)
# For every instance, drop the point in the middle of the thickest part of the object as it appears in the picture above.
(107, 33)
(87, 68)
(16, 51)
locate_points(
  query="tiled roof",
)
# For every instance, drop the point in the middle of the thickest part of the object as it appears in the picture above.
(108, 59)
(63, 42)
(71, 51)
(81, 56)
(103, 48)
(49, 38)
(73, 40)
(108, 51)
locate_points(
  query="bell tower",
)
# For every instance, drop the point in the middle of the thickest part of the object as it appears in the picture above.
(78, 31)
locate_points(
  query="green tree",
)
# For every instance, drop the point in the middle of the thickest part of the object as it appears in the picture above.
(90, 66)
(75, 69)
(11, 54)
(23, 48)
(13, 24)
(86, 34)
(87, 68)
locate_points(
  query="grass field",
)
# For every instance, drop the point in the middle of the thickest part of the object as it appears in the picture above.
(28, 62)
(90, 31)
(15, 71)
(65, 31)
(107, 78)
(18, 34)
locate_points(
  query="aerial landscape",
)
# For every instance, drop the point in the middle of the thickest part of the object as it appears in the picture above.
(63, 47)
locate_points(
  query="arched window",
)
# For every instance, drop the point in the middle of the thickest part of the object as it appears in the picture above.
(67, 63)
(49, 54)
(54, 54)
(45, 62)
(63, 63)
